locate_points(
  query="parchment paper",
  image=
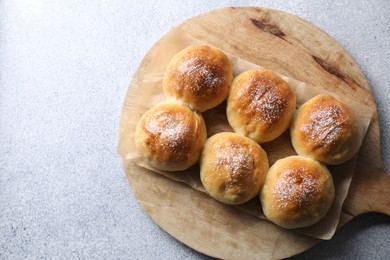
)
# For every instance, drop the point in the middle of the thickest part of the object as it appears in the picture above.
(149, 92)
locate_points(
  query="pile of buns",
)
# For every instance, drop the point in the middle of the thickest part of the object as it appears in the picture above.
(296, 191)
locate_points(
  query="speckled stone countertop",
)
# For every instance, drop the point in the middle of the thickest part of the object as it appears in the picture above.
(64, 71)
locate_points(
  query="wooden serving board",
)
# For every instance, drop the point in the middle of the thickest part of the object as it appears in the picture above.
(293, 47)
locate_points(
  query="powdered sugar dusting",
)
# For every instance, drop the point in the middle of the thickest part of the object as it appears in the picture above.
(237, 164)
(270, 106)
(326, 125)
(295, 188)
(267, 101)
(200, 76)
(169, 134)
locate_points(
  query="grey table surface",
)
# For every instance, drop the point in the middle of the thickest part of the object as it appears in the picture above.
(64, 70)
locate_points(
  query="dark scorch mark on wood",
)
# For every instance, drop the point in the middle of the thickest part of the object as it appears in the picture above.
(269, 28)
(335, 72)
(328, 68)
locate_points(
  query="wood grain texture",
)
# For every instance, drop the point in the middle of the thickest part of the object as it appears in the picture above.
(369, 191)
(295, 48)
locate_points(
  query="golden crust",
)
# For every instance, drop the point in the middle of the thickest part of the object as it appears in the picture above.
(232, 168)
(325, 129)
(170, 136)
(260, 105)
(298, 192)
(199, 76)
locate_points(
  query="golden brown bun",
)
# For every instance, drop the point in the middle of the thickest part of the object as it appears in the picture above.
(199, 76)
(232, 168)
(170, 136)
(260, 105)
(324, 129)
(297, 192)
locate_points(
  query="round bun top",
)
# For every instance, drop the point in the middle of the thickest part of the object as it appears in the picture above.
(297, 192)
(199, 76)
(260, 105)
(232, 167)
(170, 136)
(325, 129)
